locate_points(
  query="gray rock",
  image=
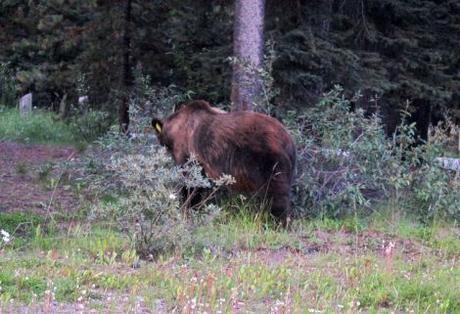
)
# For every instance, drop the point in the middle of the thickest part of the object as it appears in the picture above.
(25, 105)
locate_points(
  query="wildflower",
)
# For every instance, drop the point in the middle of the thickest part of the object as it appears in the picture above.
(5, 236)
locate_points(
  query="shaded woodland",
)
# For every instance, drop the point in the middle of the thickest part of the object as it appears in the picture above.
(99, 214)
(391, 51)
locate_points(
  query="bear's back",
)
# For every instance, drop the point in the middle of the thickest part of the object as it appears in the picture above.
(247, 145)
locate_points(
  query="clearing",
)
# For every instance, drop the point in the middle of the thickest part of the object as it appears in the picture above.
(238, 264)
(25, 178)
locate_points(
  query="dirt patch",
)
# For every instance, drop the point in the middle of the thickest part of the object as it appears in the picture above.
(31, 180)
(344, 243)
(367, 241)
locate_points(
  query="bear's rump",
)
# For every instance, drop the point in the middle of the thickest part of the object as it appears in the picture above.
(252, 170)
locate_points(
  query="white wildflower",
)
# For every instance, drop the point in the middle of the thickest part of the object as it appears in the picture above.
(225, 179)
(6, 237)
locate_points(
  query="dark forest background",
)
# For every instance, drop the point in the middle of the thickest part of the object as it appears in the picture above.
(389, 50)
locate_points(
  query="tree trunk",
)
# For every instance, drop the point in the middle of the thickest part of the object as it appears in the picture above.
(126, 77)
(63, 107)
(248, 44)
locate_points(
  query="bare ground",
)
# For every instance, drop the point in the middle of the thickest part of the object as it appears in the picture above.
(21, 186)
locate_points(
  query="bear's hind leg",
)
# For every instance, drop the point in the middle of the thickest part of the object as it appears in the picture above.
(278, 194)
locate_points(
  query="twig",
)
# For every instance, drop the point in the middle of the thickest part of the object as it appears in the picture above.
(55, 189)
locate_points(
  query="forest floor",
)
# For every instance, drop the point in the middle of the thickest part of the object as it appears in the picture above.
(25, 172)
(61, 262)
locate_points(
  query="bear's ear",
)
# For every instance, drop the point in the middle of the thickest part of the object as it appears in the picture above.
(157, 125)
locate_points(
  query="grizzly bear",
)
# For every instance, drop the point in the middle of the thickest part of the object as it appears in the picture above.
(255, 149)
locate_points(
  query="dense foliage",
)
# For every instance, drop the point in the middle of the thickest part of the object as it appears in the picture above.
(347, 166)
(398, 65)
(141, 176)
(395, 50)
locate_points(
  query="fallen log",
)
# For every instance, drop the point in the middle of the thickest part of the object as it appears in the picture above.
(449, 163)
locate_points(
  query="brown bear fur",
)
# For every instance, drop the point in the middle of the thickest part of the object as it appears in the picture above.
(252, 147)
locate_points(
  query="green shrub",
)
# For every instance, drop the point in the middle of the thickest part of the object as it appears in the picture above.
(90, 124)
(433, 191)
(152, 99)
(341, 157)
(346, 164)
(148, 187)
(149, 207)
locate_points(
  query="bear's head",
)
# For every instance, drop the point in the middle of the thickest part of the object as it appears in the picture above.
(175, 131)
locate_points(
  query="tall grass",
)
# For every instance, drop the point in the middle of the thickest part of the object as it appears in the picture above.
(40, 127)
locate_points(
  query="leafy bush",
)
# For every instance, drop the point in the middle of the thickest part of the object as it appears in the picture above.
(148, 187)
(340, 153)
(152, 99)
(90, 123)
(434, 191)
(346, 163)
(150, 208)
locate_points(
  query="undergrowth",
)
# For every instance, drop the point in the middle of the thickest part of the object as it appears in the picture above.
(347, 165)
(148, 187)
(371, 234)
(39, 127)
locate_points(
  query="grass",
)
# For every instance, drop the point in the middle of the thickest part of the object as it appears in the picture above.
(40, 127)
(241, 263)
(243, 230)
(20, 223)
